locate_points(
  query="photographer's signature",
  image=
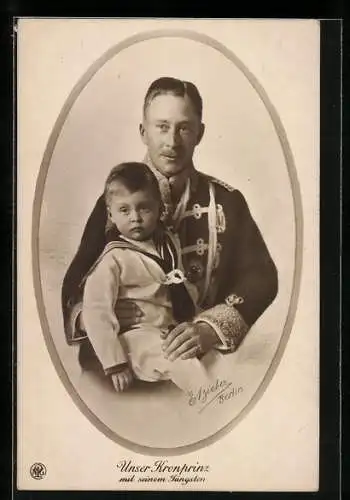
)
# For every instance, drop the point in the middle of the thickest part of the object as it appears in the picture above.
(220, 391)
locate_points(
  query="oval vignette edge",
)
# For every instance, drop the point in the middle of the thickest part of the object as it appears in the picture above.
(298, 220)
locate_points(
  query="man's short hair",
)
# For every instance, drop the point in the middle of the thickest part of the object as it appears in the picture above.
(134, 176)
(176, 87)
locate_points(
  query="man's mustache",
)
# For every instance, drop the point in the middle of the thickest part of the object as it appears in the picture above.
(172, 153)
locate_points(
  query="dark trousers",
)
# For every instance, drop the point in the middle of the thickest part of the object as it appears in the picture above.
(87, 357)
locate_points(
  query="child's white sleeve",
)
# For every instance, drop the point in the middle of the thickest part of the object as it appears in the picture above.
(101, 324)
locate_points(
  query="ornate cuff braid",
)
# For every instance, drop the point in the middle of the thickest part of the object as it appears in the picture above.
(228, 324)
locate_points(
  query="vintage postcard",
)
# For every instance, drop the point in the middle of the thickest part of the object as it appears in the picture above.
(168, 249)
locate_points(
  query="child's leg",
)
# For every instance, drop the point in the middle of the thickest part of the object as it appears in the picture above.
(144, 347)
(188, 374)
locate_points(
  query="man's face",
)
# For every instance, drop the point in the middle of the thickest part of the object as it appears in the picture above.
(171, 130)
(136, 214)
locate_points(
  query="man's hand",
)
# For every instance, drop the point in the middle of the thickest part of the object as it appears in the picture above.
(189, 340)
(128, 314)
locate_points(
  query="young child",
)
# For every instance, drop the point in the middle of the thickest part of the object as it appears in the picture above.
(140, 262)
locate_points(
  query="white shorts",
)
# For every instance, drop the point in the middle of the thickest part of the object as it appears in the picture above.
(144, 348)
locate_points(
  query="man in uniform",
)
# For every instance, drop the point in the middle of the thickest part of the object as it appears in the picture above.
(223, 252)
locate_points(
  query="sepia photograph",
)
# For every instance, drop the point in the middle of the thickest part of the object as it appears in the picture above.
(165, 280)
(167, 241)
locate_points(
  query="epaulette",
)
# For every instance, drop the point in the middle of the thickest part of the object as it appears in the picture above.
(220, 183)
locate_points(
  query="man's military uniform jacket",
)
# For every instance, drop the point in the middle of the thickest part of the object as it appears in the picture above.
(223, 255)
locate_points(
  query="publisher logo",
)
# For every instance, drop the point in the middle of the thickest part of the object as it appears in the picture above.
(38, 470)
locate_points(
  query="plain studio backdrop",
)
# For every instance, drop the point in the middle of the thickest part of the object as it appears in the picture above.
(240, 146)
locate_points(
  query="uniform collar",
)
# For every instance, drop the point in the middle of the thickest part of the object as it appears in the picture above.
(172, 211)
(181, 178)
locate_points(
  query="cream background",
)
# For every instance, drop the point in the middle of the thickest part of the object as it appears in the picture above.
(280, 433)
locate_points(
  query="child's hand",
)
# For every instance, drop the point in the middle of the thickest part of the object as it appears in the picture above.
(122, 380)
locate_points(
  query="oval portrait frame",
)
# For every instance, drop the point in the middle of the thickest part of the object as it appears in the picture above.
(298, 221)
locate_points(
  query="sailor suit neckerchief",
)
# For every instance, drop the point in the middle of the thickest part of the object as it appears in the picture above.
(164, 253)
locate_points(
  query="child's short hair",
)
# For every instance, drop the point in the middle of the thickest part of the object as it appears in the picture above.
(176, 87)
(134, 176)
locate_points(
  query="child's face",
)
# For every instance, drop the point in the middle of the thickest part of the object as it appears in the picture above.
(136, 215)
